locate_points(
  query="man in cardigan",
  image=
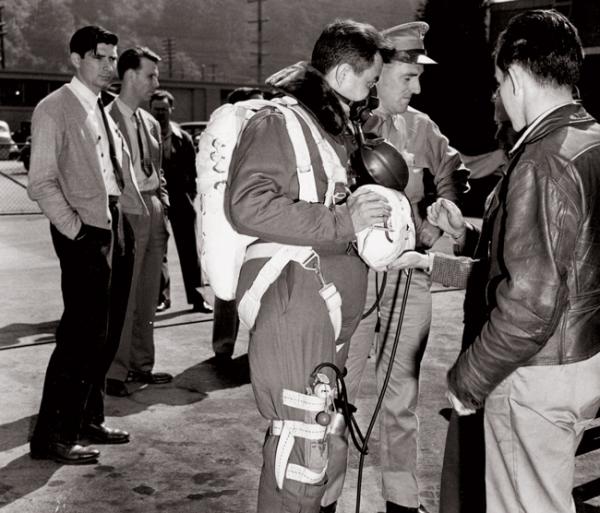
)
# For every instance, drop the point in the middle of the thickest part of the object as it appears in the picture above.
(81, 178)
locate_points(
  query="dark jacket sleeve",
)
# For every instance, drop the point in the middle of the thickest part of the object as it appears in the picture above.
(262, 193)
(538, 233)
(162, 183)
(188, 160)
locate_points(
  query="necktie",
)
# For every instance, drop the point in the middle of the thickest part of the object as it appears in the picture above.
(143, 145)
(111, 148)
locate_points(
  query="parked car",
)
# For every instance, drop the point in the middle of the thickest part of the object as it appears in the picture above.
(8, 147)
(194, 128)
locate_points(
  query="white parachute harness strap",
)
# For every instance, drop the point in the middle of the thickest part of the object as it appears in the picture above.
(303, 401)
(329, 294)
(304, 475)
(334, 169)
(304, 169)
(249, 305)
(288, 430)
(279, 256)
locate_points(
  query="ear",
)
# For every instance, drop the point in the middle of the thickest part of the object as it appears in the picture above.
(334, 77)
(516, 75)
(342, 71)
(76, 60)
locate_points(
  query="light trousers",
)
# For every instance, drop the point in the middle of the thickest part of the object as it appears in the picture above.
(398, 422)
(534, 421)
(136, 347)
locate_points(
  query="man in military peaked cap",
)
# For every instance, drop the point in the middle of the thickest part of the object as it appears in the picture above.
(436, 171)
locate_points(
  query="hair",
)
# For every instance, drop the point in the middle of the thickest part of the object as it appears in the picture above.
(88, 38)
(161, 94)
(351, 42)
(242, 93)
(545, 43)
(132, 59)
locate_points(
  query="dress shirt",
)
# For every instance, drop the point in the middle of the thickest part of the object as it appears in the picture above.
(89, 101)
(145, 183)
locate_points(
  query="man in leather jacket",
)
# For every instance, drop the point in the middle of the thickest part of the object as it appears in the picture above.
(534, 363)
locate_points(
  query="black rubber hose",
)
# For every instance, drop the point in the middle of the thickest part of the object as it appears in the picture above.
(384, 386)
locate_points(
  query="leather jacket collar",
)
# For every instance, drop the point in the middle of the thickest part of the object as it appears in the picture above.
(568, 114)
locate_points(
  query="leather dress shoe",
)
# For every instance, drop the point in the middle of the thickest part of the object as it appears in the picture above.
(163, 305)
(391, 507)
(223, 361)
(151, 378)
(202, 307)
(116, 388)
(63, 452)
(102, 434)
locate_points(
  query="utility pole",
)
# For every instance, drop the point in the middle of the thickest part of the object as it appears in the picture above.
(168, 49)
(259, 38)
(2, 34)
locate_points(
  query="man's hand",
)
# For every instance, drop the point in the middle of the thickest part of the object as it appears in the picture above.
(413, 260)
(459, 407)
(367, 208)
(447, 216)
(428, 234)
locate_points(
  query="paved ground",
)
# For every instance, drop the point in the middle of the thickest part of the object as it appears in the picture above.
(196, 442)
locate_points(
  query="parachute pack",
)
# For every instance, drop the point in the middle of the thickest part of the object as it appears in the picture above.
(222, 249)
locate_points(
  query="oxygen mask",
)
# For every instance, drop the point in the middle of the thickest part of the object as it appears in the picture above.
(374, 161)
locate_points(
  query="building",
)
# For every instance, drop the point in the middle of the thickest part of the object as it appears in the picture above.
(20, 92)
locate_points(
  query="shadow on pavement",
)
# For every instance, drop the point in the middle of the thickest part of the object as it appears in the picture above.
(192, 385)
(23, 476)
(11, 334)
(14, 434)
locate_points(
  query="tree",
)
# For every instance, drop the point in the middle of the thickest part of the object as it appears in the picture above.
(457, 91)
(49, 28)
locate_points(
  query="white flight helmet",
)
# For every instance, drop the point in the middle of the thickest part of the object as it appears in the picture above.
(381, 245)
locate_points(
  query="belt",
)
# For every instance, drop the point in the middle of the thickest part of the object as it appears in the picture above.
(153, 192)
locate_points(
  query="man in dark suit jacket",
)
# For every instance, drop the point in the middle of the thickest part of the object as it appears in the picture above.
(179, 167)
(81, 178)
(134, 362)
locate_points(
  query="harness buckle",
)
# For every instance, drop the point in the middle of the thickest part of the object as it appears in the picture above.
(313, 263)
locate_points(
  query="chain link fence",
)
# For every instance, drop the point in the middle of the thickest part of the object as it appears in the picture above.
(13, 183)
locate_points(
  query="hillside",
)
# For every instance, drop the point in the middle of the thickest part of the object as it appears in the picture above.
(210, 39)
